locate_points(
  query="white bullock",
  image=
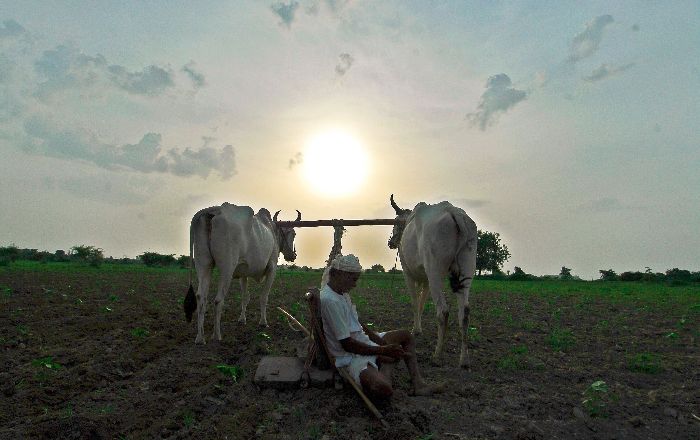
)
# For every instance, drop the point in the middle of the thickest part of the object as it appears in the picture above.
(435, 241)
(241, 245)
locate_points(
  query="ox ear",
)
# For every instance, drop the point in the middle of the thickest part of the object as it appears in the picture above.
(275, 217)
(398, 210)
(298, 216)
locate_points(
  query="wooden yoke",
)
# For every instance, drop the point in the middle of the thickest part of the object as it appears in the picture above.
(335, 222)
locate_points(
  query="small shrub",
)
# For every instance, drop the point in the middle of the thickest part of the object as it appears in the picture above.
(648, 363)
(46, 362)
(561, 339)
(596, 399)
(233, 371)
(139, 332)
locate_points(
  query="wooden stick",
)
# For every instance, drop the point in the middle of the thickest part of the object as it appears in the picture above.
(335, 222)
(343, 372)
(294, 320)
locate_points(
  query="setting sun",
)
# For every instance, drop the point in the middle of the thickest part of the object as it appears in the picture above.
(335, 163)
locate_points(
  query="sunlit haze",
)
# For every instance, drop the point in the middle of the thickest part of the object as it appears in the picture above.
(335, 164)
(570, 128)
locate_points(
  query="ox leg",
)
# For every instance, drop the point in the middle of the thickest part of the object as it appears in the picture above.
(463, 311)
(413, 290)
(204, 276)
(435, 285)
(224, 284)
(269, 279)
(245, 298)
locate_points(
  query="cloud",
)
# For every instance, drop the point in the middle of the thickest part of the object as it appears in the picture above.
(146, 156)
(498, 98)
(151, 81)
(635, 27)
(344, 64)
(197, 78)
(297, 159)
(285, 12)
(11, 29)
(65, 67)
(587, 42)
(606, 71)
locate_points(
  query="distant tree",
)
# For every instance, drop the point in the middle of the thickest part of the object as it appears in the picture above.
(632, 276)
(565, 273)
(608, 275)
(183, 261)
(153, 259)
(9, 253)
(491, 254)
(376, 268)
(88, 254)
(520, 275)
(395, 270)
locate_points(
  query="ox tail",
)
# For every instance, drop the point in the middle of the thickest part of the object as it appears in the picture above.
(468, 238)
(190, 303)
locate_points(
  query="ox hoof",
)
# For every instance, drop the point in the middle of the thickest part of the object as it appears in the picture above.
(416, 332)
(200, 341)
(263, 324)
(241, 320)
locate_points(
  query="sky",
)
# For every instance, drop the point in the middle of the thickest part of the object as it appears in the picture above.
(570, 128)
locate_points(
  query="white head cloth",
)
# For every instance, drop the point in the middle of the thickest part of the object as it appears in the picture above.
(347, 263)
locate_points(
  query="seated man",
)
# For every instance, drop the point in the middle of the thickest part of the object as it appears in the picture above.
(369, 356)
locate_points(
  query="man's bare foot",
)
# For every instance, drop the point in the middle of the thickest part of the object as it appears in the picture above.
(426, 389)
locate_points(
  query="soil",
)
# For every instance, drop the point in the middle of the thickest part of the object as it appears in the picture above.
(101, 354)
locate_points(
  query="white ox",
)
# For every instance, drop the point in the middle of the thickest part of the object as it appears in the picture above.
(435, 241)
(241, 245)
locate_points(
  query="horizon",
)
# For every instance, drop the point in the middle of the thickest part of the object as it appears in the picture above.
(570, 129)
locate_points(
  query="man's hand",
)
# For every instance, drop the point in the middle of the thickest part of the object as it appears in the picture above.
(393, 350)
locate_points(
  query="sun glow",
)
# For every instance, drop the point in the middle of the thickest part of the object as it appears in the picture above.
(335, 164)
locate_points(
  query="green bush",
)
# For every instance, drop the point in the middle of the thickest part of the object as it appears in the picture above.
(153, 259)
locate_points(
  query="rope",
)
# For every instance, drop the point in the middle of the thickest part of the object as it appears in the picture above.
(337, 245)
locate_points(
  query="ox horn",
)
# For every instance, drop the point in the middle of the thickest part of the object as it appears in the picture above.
(298, 216)
(398, 210)
(274, 218)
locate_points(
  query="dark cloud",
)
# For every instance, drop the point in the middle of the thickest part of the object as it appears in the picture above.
(197, 78)
(65, 67)
(345, 61)
(606, 71)
(146, 156)
(11, 28)
(297, 159)
(498, 98)
(150, 81)
(635, 27)
(285, 12)
(587, 42)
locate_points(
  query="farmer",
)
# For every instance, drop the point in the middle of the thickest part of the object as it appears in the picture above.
(368, 356)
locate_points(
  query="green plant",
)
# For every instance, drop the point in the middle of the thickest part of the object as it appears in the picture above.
(233, 371)
(139, 332)
(649, 363)
(113, 298)
(188, 419)
(47, 362)
(595, 399)
(561, 339)
(516, 360)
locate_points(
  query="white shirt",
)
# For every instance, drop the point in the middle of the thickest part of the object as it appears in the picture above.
(340, 321)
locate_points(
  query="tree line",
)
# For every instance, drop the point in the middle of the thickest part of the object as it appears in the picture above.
(491, 255)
